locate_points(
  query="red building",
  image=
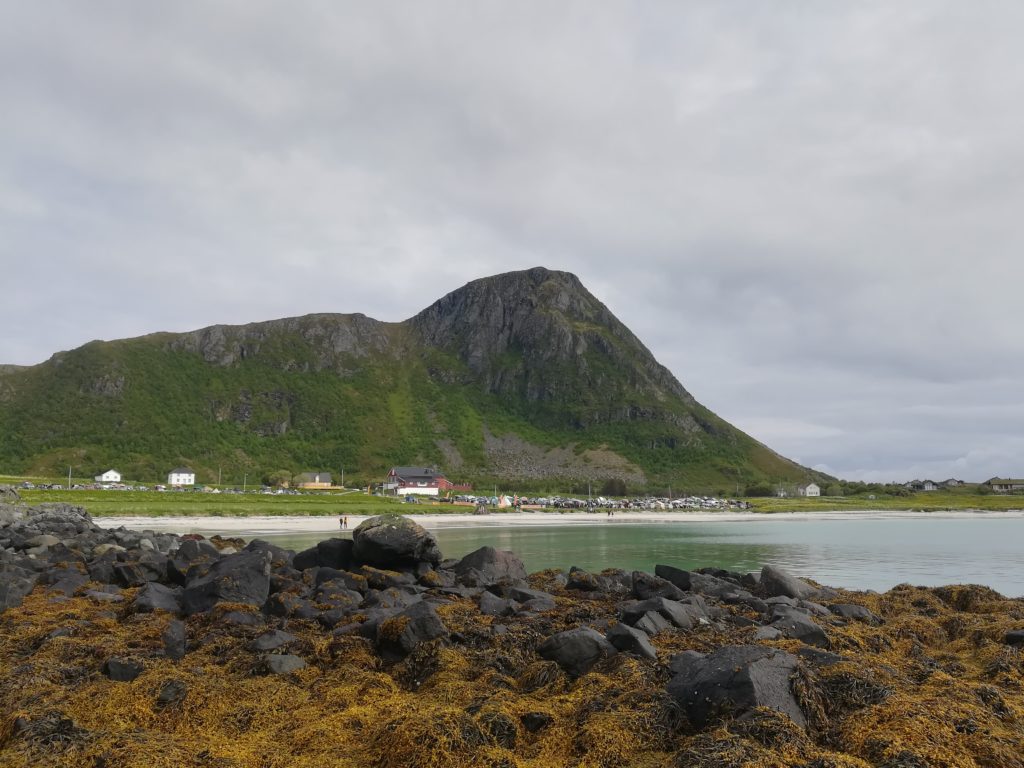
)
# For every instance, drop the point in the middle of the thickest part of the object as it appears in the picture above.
(422, 480)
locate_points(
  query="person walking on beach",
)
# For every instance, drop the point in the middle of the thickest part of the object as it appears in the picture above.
(344, 522)
(341, 521)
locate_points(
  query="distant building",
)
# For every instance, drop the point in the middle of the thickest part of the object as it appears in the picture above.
(922, 485)
(110, 476)
(952, 483)
(181, 476)
(311, 480)
(426, 481)
(811, 489)
(1005, 485)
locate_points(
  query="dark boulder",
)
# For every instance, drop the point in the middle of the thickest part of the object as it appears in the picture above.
(175, 641)
(733, 681)
(582, 580)
(349, 580)
(66, 581)
(794, 623)
(712, 586)
(776, 582)
(1015, 637)
(390, 598)
(389, 541)
(336, 595)
(335, 553)
(122, 670)
(271, 641)
(282, 664)
(629, 640)
(240, 578)
(532, 599)
(488, 565)
(576, 650)
(330, 553)
(196, 549)
(676, 576)
(652, 623)
(684, 663)
(536, 721)
(279, 557)
(492, 605)
(14, 586)
(102, 568)
(286, 604)
(379, 578)
(400, 634)
(855, 612)
(646, 586)
(172, 693)
(157, 597)
(678, 614)
(131, 574)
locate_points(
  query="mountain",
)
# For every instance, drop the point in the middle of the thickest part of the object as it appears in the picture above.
(523, 378)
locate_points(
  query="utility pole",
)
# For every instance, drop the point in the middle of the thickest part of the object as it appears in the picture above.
(69, 478)
(218, 475)
(342, 477)
(245, 477)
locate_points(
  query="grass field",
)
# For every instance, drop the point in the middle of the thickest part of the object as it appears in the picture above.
(173, 503)
(930, 501)
(178, 504)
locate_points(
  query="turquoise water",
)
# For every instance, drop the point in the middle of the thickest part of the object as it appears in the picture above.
(872, 553)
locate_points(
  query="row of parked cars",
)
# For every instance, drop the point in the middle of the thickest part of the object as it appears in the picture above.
(601, 502)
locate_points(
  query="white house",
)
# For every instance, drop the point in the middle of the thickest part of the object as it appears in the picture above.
(110, 476)
(181, 476)
(811, 489)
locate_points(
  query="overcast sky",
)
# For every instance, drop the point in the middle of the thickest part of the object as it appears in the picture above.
(812, 213)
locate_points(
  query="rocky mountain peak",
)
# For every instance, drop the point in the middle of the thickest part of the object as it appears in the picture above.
(538, 331)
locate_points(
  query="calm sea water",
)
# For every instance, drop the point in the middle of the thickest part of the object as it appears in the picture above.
(872, 553)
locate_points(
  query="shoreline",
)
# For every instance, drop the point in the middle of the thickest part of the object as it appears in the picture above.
(269, 525)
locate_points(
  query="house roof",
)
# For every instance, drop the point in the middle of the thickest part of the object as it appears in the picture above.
(181, 471)
(312, 477)
(416, 473)
(1005, 481)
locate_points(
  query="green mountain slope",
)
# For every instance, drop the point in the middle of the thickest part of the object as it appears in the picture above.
(524, 378)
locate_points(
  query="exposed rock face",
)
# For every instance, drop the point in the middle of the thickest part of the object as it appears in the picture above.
(492, 316)
(335, 336)
(8, 495)
(390, 540)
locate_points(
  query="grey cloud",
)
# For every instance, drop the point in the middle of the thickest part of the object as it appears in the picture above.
(810, 214)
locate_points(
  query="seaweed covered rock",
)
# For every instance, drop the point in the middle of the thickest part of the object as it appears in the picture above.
(576, 650)
(399, 635)
(14, 585)
(734, 680)
(390, 541)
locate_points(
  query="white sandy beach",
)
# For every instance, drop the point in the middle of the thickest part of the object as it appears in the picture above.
(301, 524)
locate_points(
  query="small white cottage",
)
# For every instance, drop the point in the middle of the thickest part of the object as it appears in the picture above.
(181, 476)
(110, 476)
(811, 489)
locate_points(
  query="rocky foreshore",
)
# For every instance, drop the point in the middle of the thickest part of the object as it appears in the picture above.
(125, 648)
